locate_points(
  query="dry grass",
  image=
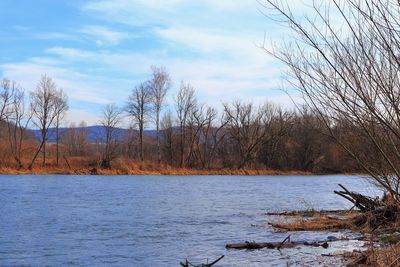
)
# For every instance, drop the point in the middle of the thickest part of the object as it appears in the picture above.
(311, 213)
(129, 168)
(384, 257)
(387, 256)
(314, 220)
(320, 223)
(122, 166)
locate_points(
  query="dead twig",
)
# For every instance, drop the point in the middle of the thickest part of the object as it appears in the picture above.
(188, 264)
(284, 240)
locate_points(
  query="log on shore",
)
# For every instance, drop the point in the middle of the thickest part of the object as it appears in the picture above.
(275, 245)
(307, 213)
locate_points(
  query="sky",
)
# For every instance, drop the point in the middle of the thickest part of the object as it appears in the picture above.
(98, 50)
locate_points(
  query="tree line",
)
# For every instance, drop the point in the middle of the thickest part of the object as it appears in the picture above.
(187, 133)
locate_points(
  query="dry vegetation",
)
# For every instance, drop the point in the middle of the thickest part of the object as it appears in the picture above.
(127, 167)
(383, 247)
(385, 256)
(317, 223)
(380, 226)
(388, 256)
(190, 138)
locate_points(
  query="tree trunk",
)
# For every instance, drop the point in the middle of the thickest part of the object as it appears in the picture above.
(182, 146)
(158, 137)
(36, 154)
(44, 150)
(141, 142)
(57, 142)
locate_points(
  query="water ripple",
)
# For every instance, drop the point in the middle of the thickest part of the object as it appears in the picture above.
(147, 221)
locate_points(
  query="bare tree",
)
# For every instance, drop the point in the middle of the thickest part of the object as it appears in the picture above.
(110, 121)
(17, 124)
(69, 138)
(280, 127)
(76, 139)
(185, 102)
(203, 146)
(7, 90)
(199, 132)
(350, 75)
(168, 136)
(138, 108)
(212, 135)
(247, 126)
(61, 109)
(160, 83)
(44, 102)
(82, 142)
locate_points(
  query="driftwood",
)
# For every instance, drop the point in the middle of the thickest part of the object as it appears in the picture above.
(363, 203)
(306, 213)
(375, 212)
(380, 216)
(275, 245)
(283, 242)
(188, 264)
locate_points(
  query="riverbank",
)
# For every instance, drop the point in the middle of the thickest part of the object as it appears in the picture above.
(147, 170)
(379, 232)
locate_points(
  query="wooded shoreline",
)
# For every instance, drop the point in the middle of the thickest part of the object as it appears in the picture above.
(149, 171)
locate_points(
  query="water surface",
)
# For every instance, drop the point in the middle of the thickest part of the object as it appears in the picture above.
(59, 220)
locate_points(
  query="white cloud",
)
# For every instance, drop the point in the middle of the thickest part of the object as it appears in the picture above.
(101, 35)
(209, 13)
(54, 36)
(77, 86)
(211, 42)
(104, 35)
(78, 115)
(215, 80)
(130, 5)
(103, 59)
(72, 53)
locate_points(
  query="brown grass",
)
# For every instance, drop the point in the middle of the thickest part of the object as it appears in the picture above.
(128, 168)
(384, 257)
(319, 223)
(387, 256)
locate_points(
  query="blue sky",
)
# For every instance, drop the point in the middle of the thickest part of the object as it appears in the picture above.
(97, 50)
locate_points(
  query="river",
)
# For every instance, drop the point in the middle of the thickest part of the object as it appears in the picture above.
(56, 220)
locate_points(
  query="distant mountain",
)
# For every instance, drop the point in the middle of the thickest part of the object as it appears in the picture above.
(94, 133)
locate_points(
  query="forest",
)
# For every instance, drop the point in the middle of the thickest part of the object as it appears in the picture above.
(183, 135)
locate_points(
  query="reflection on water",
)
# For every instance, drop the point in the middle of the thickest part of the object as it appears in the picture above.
(157, 220)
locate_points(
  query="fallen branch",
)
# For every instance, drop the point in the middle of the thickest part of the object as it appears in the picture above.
(376, 213)
(284, 240)
(306, 213)
(275, 245)
(188, 264)
(363, 203)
